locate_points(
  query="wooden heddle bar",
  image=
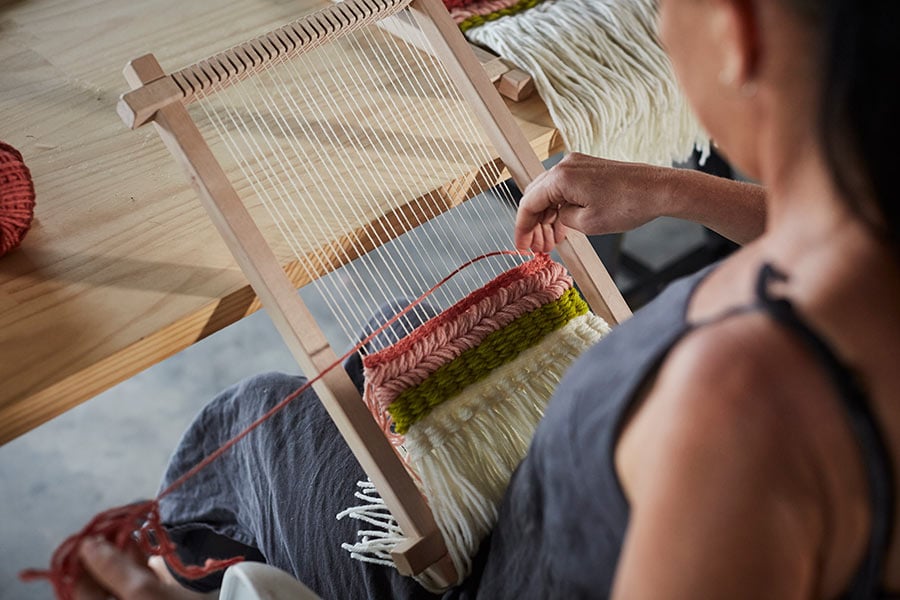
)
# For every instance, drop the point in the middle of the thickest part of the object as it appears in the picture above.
(161, 99)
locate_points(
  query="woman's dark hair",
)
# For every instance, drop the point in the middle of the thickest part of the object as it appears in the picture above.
(860, 41)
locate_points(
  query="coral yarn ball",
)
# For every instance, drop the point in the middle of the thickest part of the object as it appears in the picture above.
(16, 198)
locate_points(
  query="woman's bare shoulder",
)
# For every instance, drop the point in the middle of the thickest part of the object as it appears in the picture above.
(711, 475)
(746, 423)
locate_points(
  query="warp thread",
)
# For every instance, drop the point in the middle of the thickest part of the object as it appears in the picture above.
(16, 198)
(139, 524)
(601, 70)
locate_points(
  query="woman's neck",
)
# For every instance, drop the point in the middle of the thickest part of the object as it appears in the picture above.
(804, 206)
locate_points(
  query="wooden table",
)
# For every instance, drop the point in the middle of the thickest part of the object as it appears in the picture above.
(122, 267)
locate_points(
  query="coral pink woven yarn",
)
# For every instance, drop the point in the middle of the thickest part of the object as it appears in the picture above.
(428, 348)
(16, 198)
(540, 262)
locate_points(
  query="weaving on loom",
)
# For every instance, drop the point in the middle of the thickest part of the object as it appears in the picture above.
(598, 67)
(335, 147)
(462, 393)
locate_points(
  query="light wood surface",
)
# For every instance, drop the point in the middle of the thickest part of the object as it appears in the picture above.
(122, 267)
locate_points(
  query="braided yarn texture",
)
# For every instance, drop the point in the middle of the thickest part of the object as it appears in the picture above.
(498, 348)
(16, 198)
(462, 327)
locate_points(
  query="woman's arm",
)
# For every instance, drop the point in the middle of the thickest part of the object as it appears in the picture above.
(596, 196)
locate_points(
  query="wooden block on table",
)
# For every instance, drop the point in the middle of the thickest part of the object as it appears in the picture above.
(515, 85)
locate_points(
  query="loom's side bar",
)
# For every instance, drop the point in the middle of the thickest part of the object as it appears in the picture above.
(140, 104)
(452, 49)
(425, 546)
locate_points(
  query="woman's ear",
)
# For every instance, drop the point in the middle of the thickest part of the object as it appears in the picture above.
(735, 33)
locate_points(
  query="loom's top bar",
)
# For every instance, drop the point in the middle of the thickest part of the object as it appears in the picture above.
(140, 104)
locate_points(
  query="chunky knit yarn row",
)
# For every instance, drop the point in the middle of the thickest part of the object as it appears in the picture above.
(497, 349)
(481, 7)
(451, 4)
(536, 274)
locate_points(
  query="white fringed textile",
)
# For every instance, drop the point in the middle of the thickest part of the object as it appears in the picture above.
(603, 75)
(465, 450)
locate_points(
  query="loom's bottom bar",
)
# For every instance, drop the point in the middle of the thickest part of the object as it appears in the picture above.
(464, 393)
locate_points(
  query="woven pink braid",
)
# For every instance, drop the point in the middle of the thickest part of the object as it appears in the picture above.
(455, 338)
(464, 316)
(427, 349)
(484, 7)
(540, 263)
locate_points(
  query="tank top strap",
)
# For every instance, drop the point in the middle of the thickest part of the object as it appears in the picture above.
(879, 470)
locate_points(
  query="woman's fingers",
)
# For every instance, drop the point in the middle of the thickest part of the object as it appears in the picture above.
(537, 208)
(547, 231)
(118, 573)
(560, 231)
(591, 195)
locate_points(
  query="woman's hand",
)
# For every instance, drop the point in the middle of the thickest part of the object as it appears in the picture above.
(596, 196)
(591, 195)
(112, 572)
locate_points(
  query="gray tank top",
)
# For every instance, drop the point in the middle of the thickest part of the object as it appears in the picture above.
(563, 520)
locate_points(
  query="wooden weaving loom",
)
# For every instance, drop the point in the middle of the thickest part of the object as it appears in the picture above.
(163, 99)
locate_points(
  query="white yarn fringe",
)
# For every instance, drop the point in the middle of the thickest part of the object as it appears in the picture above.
(373, 545)
(606, 81)
(466, 449)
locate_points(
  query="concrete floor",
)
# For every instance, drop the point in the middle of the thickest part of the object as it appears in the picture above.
(112, 449)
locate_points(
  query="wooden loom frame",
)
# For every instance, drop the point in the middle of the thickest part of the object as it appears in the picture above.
(162, 98)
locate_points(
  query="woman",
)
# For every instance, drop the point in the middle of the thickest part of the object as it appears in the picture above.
(742, 437)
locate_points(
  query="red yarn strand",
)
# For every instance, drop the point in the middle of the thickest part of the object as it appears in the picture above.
(139, 525)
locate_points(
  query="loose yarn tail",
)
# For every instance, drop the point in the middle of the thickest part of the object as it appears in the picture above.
(603, 75)
(374, 543)
(133, 525)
